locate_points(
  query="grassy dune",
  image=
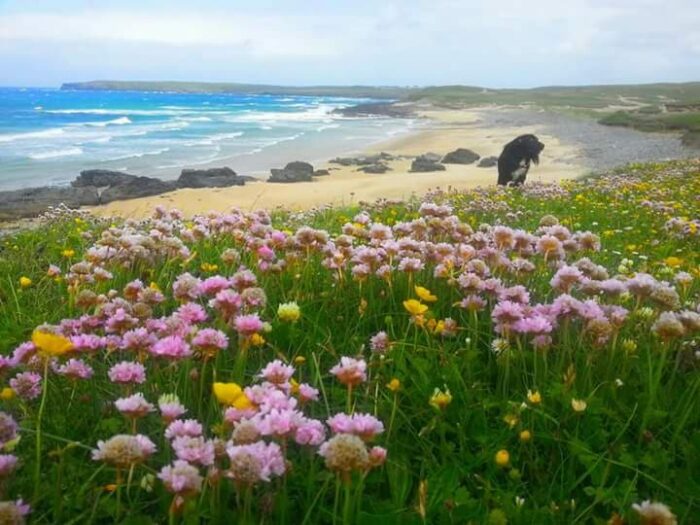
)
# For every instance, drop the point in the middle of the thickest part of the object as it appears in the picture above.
(520, 355)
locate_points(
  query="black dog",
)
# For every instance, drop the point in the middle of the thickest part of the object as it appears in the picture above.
(514, 162)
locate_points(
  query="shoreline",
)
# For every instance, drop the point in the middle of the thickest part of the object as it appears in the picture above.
(439, 131)
(574, 147)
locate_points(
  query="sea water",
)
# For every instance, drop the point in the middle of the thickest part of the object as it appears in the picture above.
(47, 136)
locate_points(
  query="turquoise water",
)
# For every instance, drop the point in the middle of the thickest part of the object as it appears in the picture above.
(47, 136)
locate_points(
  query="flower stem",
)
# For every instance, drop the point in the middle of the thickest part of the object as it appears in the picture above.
(37, 466)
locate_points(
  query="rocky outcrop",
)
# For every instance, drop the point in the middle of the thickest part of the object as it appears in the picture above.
(487, 162)
(460, 156)
(210, 178)
(93, 187)
(426, 163)
(321, 173)
(375, 168)
(135, 188)
(296, 171)
(101, 178)
(363, 161)
(32, 202)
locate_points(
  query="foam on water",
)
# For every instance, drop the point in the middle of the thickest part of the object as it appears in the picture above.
(51, 135)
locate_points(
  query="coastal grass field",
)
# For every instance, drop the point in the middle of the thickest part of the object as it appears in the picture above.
(522, 355)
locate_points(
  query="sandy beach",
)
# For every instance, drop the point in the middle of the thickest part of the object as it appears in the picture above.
(442, 131)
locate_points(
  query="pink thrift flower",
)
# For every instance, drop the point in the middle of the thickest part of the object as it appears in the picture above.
(255, 462)
(379, 342)
(75, 369)
(277, 372)
(191, 313)
(209, 340)
(172, 347)
(127, 372)
(87, 342)
(248, 325)
(8, 429)
(186, 427)
(366, 426)
(23, 352)
(234, 415)
(310, 432)
(181, 478)
(27, 385)
(8, 464)
(341, 424)
(307, 393)
(350, 371)
(134, 406)
(279, 422)
(195, 450)
(138, 339)
(124, 450)
(170, 407)
(377, 456)
(227, 303)
(213, 285)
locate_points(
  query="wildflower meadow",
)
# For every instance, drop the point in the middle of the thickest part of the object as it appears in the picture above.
(501, 355)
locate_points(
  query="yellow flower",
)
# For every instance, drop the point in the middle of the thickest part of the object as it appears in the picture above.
(439, 327)
(511, 420)
(534, 397)
(7, 393)
(289, 312)
(415, 307)
(294, 384)
(68, 253)
(673, 262)
(394, 385)
(154, 286)
(299, 360)
(227, 393)
(25, 282)
(51, 344)
(502, 458)
(425, 294)
(243, 403)
(579, 405)
(525, 436)
(441, 399)
(208, 267)
(257, 340)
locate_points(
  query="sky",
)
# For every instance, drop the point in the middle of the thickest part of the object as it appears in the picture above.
(491, 43)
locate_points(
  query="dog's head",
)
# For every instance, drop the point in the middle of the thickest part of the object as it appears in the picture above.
(530, 146)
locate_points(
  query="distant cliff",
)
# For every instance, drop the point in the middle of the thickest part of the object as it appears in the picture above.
(387, 92)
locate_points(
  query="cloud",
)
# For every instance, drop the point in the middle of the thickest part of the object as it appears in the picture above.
(509, 43)
(253, 34)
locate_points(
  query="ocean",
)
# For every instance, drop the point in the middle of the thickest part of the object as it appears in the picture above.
(47, 136)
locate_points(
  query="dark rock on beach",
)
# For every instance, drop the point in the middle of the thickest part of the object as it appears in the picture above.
(321, 173)
(93, 187)
(135, 188)
(426, 163)
(363, 161)
(296, 171)
(487, 162)
(101, 178)
(210, 178)
(432, 157)
(460, 156)
(32, 202)
(375, 168)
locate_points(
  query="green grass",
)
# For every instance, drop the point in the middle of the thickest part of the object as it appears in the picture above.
(638, 438)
